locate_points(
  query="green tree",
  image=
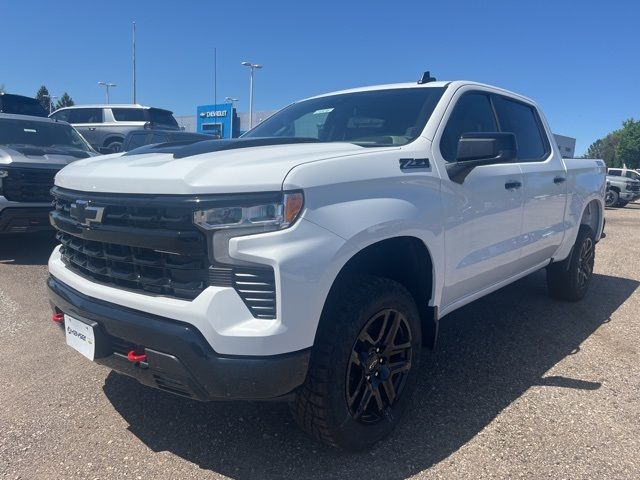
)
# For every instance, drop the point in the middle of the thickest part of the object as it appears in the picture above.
(43, 97)
(605, 148)
(628, 148)
(65, 101)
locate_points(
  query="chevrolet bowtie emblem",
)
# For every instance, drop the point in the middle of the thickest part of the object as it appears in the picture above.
(85, 213)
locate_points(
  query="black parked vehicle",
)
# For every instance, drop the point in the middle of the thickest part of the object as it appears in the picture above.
(21, 105)
(140, 138)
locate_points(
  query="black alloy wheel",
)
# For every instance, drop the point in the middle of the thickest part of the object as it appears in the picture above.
(585, 262)
(379, 366)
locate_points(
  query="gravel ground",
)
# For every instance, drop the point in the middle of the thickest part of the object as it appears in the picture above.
(520, 386)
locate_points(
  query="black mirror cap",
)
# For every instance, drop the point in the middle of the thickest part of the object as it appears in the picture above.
(482, 148)
(487, 148)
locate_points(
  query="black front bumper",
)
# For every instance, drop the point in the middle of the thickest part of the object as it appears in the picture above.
(24, 219)
(179, 359)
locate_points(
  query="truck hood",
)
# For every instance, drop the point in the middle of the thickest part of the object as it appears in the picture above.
(25, 157)
(252, 169)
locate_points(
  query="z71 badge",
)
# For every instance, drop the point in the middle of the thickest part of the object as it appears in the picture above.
(413, 163)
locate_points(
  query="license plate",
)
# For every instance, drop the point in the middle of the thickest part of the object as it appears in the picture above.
(80, 336)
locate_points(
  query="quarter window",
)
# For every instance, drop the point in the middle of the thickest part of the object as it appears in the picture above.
(522, 120)
(472, 113)
(128, 114)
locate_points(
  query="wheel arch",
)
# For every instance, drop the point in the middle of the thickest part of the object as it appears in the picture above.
(592, 216)
(404, 259)
(113, 138)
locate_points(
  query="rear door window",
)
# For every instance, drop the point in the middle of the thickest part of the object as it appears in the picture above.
(522, 120)
(472, 113)
(85, 115)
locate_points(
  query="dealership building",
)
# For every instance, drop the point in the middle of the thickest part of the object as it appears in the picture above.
(220, 120)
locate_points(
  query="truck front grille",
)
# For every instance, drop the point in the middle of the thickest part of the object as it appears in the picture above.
(28, 184)
(150, 244)
(135, 268)
(138, 216)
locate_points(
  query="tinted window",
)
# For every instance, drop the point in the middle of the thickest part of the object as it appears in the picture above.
(522, 121)
(472, 113)
(137, 140)
(62, 115)
(615, 173)
(631, 174)
(85, 115)
(162, 117)
(370, 119)
(129, 114)
(158, 138)
(21, 105)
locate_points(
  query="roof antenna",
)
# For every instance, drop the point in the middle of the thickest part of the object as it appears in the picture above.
(426, 78)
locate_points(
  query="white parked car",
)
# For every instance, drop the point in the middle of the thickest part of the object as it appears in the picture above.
(311, 259)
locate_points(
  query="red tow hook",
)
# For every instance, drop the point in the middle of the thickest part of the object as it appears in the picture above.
(135, 357)
(58, 317)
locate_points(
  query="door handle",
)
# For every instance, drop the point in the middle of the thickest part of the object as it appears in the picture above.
(559, 180)
(512, 185)
(92, 128)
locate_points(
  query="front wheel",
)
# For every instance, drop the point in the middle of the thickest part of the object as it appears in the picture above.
(364, 364)
(570, 279)
(611, 198)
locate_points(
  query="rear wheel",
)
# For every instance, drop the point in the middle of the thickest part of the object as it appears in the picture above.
(363, 366)
(115, 146)
(622, 203)
(570, 279)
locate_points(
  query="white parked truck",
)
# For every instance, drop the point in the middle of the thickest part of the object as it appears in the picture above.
(311, 259)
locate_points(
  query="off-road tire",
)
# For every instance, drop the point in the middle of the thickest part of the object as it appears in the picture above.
(570, 279)
(321, 407)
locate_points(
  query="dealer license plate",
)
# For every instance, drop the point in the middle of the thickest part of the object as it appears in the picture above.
(80, 336)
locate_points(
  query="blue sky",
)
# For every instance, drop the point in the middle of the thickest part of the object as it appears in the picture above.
(578, 60)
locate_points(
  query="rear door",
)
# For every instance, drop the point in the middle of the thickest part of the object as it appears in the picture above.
(545, 185)
(88, 122)
(483, 214)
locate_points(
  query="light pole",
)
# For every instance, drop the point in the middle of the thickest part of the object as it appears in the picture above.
(230, 100)
(253, 67)
(51, 98)
(107, 85)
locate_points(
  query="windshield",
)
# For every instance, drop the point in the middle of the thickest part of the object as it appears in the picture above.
(56, 136)
(371, 119)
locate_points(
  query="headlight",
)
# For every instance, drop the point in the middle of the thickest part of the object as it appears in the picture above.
(224, 223)
(262, 217)
(629, 186)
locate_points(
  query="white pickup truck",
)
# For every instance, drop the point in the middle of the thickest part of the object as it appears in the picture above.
(311, 259)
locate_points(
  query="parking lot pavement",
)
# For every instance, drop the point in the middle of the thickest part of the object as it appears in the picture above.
(520, 386)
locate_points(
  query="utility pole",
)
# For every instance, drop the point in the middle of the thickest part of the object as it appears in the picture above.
(215, 76)
(134, 63)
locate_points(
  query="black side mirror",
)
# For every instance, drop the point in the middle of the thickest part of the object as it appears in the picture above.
(483, 148)
(105, 150)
